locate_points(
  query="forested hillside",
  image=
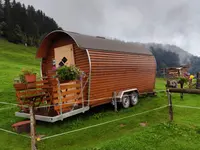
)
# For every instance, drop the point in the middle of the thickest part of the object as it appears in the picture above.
(26, 25)
(165, 58)
(173, 56)
(20, 24)
(195, 62)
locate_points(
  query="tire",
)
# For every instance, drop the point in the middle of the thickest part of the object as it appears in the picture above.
(134, 99)
(125, 101)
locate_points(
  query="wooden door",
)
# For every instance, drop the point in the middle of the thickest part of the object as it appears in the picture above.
(64, 53)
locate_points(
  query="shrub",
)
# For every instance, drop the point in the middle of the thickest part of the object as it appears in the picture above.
(183, 80)
(21, 76)
(68, 73)
(28, 71)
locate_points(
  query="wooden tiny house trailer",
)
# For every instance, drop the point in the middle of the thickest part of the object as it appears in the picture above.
(109, 65)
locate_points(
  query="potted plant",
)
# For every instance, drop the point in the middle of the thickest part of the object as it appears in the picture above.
(70, 73)
(19, 82)
(29, 75)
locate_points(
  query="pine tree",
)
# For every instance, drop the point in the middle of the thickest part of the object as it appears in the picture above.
(18, 34)
(24, 25)
(2, 23)
(1, 12)
(8, 19)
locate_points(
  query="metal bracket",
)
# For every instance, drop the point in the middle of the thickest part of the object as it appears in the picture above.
(55, 118)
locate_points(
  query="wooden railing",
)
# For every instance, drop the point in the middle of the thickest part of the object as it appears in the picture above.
(39, 91)
(66, 96)
(61, 97)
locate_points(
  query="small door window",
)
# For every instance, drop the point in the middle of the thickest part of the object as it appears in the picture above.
(64, 55)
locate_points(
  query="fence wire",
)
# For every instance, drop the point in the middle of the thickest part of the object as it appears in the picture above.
(59, 104)
(103, 123)
(92, 126)
(14, 133)
(88, 127)
(183, 106)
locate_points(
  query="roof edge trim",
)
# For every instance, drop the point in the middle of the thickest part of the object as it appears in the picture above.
(58, 31)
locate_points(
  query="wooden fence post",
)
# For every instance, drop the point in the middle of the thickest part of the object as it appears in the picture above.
(32, 126)
(115, 101)
(181, 94)
(171, 115)
(198, 81)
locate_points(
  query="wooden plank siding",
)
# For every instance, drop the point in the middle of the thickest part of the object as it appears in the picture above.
(111, 70)
(115, 71)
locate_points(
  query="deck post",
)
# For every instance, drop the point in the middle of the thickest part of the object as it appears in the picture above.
(60, 99)
(170, 105)
(82, 92)
(115, 100)
(32, 126)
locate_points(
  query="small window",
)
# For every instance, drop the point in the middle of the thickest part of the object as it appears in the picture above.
(64, 60)
(61, 64)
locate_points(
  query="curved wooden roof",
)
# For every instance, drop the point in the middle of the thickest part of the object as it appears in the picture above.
(94, 43)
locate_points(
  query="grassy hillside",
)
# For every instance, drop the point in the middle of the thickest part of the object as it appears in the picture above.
(13, 58)
(125, 134)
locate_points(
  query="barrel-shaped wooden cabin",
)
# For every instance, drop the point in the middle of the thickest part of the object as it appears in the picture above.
(110, 65)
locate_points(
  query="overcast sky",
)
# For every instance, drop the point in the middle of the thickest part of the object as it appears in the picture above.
(162, 21)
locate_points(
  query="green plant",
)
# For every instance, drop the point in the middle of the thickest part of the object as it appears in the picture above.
(68, 73)
(28, 71)
(21, 77)
(183, 80)
(98, 115)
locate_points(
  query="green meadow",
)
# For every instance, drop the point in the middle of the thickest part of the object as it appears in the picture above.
(147, 131)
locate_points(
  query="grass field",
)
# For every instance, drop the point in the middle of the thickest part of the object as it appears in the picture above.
(182, 133)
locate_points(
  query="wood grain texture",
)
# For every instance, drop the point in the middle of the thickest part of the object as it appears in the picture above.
(111, 70)
(115, 71)
(80, 58)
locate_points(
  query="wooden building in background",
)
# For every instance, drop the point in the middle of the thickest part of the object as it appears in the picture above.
(175, 72)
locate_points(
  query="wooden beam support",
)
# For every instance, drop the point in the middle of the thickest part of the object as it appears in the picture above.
(32, 126)
(171, 114)
(189, 91)
(115, 100)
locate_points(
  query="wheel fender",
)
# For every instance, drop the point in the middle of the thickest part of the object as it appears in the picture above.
(121, 93)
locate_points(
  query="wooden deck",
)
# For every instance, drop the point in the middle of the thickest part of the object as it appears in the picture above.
(49, 93)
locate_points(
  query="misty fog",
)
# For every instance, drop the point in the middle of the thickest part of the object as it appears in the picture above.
(169, 22)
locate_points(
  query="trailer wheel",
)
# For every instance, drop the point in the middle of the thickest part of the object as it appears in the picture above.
(125, 101)
(134, 98)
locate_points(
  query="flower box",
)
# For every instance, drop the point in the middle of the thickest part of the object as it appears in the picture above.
(20, 86)
(30, 78)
